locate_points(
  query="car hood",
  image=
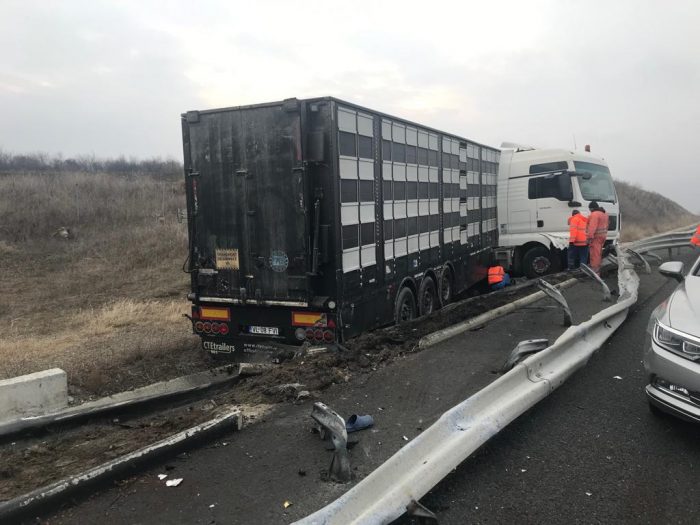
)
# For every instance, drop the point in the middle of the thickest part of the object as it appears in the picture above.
(684, 307)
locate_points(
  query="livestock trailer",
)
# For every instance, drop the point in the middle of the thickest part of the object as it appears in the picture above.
(317, 219)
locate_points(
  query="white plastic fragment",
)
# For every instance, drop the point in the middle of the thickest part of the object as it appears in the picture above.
(173, 482)
(405, 438)
(589, 493)
(617, 377)
(162, 476)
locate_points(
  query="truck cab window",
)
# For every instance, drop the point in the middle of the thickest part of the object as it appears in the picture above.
(552, 186)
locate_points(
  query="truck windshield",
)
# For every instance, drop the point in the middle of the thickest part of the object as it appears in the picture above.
(600, 186)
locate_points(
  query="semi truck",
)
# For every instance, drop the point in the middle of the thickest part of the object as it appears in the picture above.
(315, 220)
(537, 190)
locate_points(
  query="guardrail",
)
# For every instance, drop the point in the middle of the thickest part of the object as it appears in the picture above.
(675, 239)
(396, 486)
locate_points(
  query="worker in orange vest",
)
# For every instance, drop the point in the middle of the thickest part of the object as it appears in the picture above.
(596, 233)
(578, 243)
(695, 239)
(498, 278)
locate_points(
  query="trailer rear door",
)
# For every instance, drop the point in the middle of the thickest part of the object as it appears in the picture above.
(250, 221)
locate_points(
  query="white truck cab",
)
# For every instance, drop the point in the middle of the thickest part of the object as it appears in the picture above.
(537, 191)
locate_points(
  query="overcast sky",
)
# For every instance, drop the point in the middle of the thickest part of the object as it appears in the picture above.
(112, 78)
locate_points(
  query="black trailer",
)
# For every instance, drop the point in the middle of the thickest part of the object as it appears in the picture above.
(315, 220)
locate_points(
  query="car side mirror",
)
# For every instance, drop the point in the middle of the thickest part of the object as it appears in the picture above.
(673, 269)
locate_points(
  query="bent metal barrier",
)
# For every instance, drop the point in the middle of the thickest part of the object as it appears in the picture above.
(399, 483)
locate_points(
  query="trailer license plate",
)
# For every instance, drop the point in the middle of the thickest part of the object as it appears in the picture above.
(265, 330)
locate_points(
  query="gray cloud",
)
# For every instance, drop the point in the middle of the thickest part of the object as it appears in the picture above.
(113, 77)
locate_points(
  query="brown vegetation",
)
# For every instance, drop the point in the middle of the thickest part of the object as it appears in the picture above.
(105, 304)
(645, 212)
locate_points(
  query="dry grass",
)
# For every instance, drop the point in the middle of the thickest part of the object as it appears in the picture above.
(645, 213)
(107, 304)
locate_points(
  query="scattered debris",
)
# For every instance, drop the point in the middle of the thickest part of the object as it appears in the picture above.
(212, 505)
(405, 438)
(523, 470)
(285, 391)
(589, 493)
(162, 476)
(287, 504)
(617, 377)
(303, 395)
(173, 482)
(355, 422)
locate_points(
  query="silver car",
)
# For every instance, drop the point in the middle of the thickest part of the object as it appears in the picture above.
(672, 353)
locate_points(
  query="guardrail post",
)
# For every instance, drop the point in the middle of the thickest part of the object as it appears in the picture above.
(555, 294)
(334, 425)
(647, 268)
(607, 296)
(523, 349)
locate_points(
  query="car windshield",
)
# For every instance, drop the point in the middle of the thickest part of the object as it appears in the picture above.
(599, 187)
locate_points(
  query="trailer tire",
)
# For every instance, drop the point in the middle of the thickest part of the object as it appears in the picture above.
(537, 261)
(445, 286)
(427, 297)
(405, 306)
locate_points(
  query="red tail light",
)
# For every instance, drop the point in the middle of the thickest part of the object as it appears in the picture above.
(309, 334)
(199, 326)
(328, 336)
(207, 327)
(318, 335)
(223, 329)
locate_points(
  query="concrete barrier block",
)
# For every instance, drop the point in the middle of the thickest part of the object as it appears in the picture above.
(33, 394)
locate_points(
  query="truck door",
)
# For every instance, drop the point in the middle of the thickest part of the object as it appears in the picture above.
(251, 223)
(551, 194)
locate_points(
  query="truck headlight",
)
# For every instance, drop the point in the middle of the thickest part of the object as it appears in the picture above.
(677, 342)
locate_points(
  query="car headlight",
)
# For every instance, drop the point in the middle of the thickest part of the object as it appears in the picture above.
(678, 342)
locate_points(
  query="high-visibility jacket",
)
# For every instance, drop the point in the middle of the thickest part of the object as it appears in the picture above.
(496, 274)
(695, 239)
(597, 227)
(577, 230)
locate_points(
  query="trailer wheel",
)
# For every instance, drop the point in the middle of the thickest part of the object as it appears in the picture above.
(427, 297)
(405, 306)
(445, 286)
(537, 262)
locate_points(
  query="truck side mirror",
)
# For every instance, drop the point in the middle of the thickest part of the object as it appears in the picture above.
(566, 191)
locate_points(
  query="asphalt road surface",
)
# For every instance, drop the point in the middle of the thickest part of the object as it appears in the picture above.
(589, 453)
(592, 452)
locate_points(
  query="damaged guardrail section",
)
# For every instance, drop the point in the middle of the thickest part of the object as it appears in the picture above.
(408, 475)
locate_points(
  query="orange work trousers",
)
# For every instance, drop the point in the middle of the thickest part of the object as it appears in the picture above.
(596, 253)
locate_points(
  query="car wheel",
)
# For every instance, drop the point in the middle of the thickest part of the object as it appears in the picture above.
(405, 306)
(427, 297)
(537, 262)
